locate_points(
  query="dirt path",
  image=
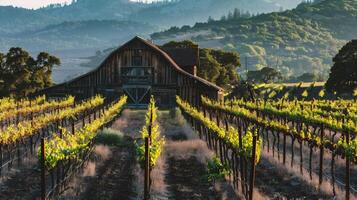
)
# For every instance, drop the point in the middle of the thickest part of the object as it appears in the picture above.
(23, 184)
(327, 186)
(185, 178)
(186, 159)
(110, 174)
(277, 183)
(113, 179)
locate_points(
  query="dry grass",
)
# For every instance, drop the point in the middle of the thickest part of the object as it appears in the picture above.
(189, 148)
(90, 169)
(159, 186)
(103, 151)
(326, 186)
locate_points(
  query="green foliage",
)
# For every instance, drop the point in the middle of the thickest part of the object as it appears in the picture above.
(229, 136)
(216, 65)
(298, 41)
(174, 113)
(350, 148)
(216, 170)
(109, 137)
(156, 141)
(243, 90)
(181, 44)
(71, 145)
(22, 74)
(96, 23)
(265, 75)
(323, 112)
(343, 76)
(322, 93)
(247, 142)
(305, 94)
(307, 77)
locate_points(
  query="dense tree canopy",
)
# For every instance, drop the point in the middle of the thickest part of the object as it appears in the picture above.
(343, 75)
(216, 65)
(21, 74)
(294, 41)
(180, 44)
(265, 75)
(308, 77)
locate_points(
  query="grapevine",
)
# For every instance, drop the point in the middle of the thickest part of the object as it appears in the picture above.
(282, 127)
(37, 108)
(70, 145)
(8, 103)
(12, 133)
(156, 142)
(230, 136)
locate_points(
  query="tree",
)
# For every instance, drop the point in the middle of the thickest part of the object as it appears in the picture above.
(243, 90)
(236, 13)
(210, 19)
(217, 66)
(265, 75)
(307, 77)
(343, 75)
(230, 15)
(20, 74)
(180, 44)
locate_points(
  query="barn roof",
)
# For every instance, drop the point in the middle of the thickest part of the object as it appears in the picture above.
(184, 57)
(177, 67)
(160, 51)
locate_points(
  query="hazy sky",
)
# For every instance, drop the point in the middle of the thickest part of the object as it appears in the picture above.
(31, 3)
(38, 3)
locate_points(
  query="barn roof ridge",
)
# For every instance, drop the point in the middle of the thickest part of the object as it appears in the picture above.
(176, 66)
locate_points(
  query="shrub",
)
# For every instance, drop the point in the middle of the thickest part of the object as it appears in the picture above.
(216, 170)
(110, 137)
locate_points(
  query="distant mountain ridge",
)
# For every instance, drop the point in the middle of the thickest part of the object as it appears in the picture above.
(89, 34)
(183, 11)
(50, 27)
(295, 41)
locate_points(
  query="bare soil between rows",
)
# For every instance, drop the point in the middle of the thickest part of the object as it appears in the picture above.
(277, 183)
(113, 179)
(186, 160)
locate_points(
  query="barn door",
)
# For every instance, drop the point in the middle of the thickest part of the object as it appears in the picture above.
(138, 95)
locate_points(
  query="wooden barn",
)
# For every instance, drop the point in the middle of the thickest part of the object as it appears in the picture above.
(139, 69)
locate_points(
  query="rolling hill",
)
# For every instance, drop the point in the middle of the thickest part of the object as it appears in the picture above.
(183, 11)
(295, 41)
(94, 34)
(81, 24)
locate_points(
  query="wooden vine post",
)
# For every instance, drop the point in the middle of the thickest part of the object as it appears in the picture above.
(321, 155)
(147, 178)
(43, 172)
(284, 149)
(348, 172)
(1, 157)
(147, 171)
(252, 172)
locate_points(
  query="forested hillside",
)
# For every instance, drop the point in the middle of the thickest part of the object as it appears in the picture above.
(295, 41)
(34, 28)
(188, 12)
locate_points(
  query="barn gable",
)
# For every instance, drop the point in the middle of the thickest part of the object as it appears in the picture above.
(140, 69)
